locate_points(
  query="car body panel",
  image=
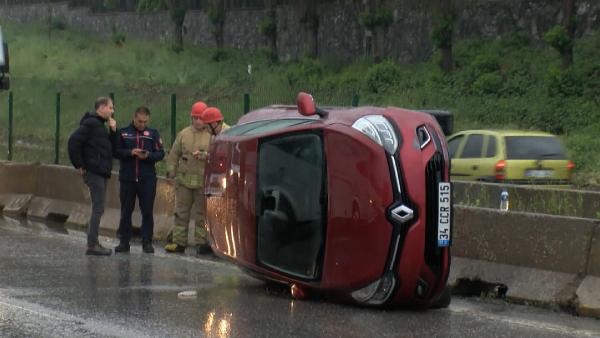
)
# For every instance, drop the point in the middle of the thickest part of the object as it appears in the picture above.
(361, 184)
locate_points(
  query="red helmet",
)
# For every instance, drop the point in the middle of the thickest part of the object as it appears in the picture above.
(211, 114)
(198, 108)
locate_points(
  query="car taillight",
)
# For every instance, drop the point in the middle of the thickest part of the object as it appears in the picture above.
(570, 165)
(500, 166)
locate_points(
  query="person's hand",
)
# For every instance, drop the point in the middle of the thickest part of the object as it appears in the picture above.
(81, 171)
(170, 175)
(112, 124)
(200, 154)
(143, 154)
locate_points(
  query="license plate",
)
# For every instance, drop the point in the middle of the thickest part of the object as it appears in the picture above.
(538, 173)
(444, 212)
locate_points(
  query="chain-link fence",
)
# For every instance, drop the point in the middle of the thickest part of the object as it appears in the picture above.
(35, 124)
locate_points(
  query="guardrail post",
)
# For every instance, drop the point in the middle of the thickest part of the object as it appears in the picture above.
(10, 126)
(173, 117)
(246, 103)
(355, 100)
(57, 131)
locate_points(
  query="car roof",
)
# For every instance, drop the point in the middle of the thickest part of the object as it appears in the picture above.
(501, 132)
(345, 115)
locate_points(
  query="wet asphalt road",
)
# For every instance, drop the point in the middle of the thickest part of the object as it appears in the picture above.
(49, 288)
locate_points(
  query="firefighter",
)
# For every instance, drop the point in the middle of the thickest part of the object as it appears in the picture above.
(185, 164)
(138, 148)
(213, 118)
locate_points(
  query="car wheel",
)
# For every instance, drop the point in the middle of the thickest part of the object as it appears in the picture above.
(443, 300)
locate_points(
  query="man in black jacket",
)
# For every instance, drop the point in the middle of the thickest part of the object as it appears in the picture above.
(91, 152)
(139, 148)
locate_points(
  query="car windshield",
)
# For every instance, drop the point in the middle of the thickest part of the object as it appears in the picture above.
(534, 148)
(258, 127)
(291, 204)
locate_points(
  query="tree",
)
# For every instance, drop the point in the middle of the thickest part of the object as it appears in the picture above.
(177, 10)
(310, 19)
(268, 27)
(216, 15)
(442, 32)
(376, 19)
(562, 37)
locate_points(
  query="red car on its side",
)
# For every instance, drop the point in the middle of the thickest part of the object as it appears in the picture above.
(350, 203)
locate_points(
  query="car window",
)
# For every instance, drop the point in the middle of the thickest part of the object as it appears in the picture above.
(473, 146)
(257, 127)
(290, 204)
(534, 148)
(491, 147)
(453, 145)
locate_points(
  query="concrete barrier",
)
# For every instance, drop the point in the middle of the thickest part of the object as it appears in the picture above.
(542, 259)
(535, 199)
(58, 193)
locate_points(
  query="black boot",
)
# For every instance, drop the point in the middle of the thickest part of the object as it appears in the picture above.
(203, 249)
(147, 247)
(97, 250)
(122, 247)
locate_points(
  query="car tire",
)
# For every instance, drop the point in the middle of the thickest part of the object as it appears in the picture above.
(443, 300)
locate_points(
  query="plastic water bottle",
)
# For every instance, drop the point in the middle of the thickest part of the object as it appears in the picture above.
(504, 200)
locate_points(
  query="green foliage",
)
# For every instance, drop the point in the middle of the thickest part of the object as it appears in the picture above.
(383, 76)
(216, 15)
(381, 17)
(117, 36)
(489, 83)
(268, 25)
(58, 23)
(515, 40)
(307, 73)
(562, 83)
(442, 31)
(558, 38)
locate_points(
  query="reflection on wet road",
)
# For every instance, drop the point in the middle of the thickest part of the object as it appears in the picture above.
(49, 288)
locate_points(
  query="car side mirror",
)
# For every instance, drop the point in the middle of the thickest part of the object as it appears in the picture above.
(306, 104)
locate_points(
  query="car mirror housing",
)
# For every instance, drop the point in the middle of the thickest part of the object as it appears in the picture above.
(306, 104)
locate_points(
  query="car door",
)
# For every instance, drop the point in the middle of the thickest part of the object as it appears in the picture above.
(486, 170)
(466, 164)
(457, 168)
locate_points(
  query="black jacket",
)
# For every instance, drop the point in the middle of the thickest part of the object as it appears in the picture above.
(91, 146)
(132, 168)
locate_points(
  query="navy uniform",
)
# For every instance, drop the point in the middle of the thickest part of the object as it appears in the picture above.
(137, 179)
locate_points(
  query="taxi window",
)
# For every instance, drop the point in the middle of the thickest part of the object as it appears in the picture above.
(453, 145)
(473, 146)
(534, 148)
(491, 147)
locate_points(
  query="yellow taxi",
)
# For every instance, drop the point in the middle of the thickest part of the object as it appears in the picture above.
(509, 156)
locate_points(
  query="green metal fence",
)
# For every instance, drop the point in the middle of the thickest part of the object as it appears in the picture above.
(35, 126)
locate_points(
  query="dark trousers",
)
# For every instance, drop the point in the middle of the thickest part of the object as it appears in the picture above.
(97, 185)
(145, 191)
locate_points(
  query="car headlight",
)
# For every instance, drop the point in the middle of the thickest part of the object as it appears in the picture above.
(378, 129)
(377, 292)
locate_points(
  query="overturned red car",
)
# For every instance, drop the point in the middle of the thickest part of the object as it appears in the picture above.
(350, 203)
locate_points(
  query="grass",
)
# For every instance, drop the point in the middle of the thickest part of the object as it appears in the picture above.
(509, 82)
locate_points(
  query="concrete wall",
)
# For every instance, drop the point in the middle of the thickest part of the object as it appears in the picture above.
(525, 239)
(58, 192)
(535, 199)
(340, 34)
